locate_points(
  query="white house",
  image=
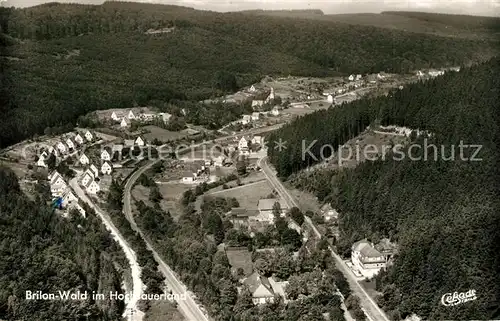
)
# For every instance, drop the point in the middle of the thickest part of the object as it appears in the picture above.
(358, 77)
(260, 288)
(106, 168)
(257, 140)
(255, 116)
(131, 115)
(79, 139)
(57, 184)
(114, 116)
(252, 88)
(242, 143)
(246, 119)
(420, 74)
(41, 161)
(68, 198)
(84, 160)
(124, 122)
(93, 187)
(105, 155)
(139, 141)
(328, 212)
(330, 99)
(61, 147)
(435, 73)
(44, 154)
(257, 103)
(89, 136)
(275, 111)
(70, 143)
(351, 77)
(165, 117)
(380, 76)
(366, 259)
(94, 170)
(188, 177)
(87, 177)
(271, 96)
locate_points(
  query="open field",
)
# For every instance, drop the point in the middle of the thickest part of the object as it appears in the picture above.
(172, 195)
(162, 310)
(247, 195)
(162, 134)
(240, 258)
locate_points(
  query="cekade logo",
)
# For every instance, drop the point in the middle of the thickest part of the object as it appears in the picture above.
(455, 298)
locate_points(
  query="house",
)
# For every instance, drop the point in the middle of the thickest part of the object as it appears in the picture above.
(123, 123)
(264, 289)
(241, 217)
(41, 161)
(89, 136)
(57, 184)
(266, 206)
(420, 74)
(358, 77)
(68, 198)
(139, 141)
(271, 96)
(84, 160)
(329, 213)
(131, 115)
(128, 142)
(115, 117)
(252, 88)
(70, 143)
(116, 151)
(435, 73)
(275, 111)
(257, 103)
(44, 154)
(366, 259)
(243, 143)
(105, 154)
(188, 177)
(255, 116)
(219, 161)
(79, 139)
(257, 140)
(246, 119)
(147, 116)
(330, 99)
(87, 177)
(260, 288)
(94, 170)
(380, 76)
(106, 168)
(165, 117)
(92, 187)
(61, 147)
(351, 77)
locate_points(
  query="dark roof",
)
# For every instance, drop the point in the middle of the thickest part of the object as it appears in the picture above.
(254, 281)
(366, 249)
(241, 212)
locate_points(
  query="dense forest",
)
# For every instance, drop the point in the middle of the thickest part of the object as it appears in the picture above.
(442, 212)
(60, 61)
(41, 251)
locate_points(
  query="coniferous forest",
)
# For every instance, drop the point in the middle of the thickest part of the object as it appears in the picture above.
(41, 251)
(61, 61)
(442, 213)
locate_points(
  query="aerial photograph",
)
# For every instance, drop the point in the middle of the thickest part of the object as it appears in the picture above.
(249, 160)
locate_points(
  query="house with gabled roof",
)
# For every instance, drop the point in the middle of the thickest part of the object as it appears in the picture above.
(255, 116)
(366, 259)
(165, 117)
(124, 122)
(61, 147)
(68, 198)
(84, 160)
(275, 111)
(114, 116)
(41, 161)
(241, 217)
(89, 136)
(260, 288)
(130, 115)
(106, 168)
(57, 184)
(266, 206)
(92, 187)
(139, 141)
(271, 96)
(257, 103)
(87, 176)
(70, 143)
(106, 154)
(351, 78)
(79, 139)
(94, 170)
(246, 119)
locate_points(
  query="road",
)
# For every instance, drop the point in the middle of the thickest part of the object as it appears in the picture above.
(371, 308)
(138, 286)
(189, 308)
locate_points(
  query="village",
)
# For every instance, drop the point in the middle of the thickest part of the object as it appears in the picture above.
(230, 163)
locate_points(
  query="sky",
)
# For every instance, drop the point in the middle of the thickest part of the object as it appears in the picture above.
(473, 7)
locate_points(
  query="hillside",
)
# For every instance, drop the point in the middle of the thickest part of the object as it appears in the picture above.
(442, 211)
(65, 60)
(41, 251)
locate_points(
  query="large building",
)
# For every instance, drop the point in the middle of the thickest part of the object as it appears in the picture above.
(366, 259)
(264, 289)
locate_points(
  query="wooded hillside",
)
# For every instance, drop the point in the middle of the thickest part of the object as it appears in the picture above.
(443, 213)
(60, 61)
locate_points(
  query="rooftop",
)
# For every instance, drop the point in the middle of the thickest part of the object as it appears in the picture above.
(268, 203)
(366, 249)
(259, 286)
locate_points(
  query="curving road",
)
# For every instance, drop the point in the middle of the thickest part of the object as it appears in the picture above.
(371, 308)
(188, 306)
(138, 286)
